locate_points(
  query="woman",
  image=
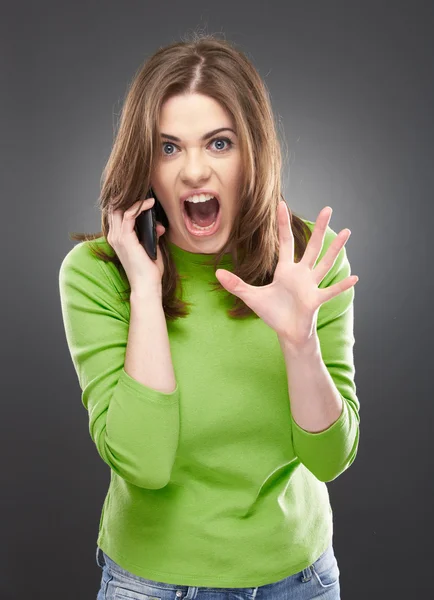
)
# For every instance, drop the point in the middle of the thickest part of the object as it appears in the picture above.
(223, 416)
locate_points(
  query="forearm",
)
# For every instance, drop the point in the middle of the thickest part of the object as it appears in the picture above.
(148, 358)
(315, 401)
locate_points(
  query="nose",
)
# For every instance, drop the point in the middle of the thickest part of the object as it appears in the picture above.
(195, 168)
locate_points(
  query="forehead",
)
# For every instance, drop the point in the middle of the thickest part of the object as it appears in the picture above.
(190, 116)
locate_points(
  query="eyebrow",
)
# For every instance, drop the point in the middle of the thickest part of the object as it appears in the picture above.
(203, 138)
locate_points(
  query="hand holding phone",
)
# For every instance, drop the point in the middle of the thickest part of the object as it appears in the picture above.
(146, 226)
(142, 272)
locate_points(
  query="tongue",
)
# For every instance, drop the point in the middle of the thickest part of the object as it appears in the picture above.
(203, 213)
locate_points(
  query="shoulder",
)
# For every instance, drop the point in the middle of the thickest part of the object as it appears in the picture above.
(81, 263)
(81, 255)
(82, 270)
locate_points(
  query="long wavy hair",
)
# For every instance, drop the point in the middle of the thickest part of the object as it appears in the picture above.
(215, 68)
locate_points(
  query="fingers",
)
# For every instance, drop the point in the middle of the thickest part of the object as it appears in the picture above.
(124, 220)
(116, 217)
(133, 213)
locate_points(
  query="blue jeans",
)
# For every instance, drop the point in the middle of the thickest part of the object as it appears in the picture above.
(319, 580)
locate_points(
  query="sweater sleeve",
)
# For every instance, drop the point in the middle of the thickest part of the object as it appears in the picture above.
(328, 453)
(135, 428)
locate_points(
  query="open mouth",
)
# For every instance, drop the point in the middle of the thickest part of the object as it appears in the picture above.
(202, 218)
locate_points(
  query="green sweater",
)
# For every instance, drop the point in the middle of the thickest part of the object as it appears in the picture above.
(246, 503)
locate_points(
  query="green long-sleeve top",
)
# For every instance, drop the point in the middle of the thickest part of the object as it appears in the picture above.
(213, 484)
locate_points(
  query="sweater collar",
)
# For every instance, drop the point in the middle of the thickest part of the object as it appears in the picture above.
(185, 258)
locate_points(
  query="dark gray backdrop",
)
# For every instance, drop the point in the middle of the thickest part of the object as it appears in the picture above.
(352, 83)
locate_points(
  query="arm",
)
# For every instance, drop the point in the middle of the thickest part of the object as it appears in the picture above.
(148, 358)
(315, 401)
(321, 388)
(134, 425)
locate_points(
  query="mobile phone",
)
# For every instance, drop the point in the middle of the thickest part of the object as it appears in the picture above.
(146, 225)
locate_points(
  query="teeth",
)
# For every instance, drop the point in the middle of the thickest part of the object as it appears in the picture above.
(196, 226)
(199, 198)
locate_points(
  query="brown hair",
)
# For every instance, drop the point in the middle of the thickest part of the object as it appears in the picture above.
(216, 68)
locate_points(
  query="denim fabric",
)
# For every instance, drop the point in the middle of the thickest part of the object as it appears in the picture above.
(319, 580)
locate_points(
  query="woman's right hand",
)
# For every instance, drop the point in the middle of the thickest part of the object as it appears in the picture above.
(143, 273)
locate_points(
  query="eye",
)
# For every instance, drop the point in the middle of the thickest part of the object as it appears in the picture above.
(218, 139)
(223, 139)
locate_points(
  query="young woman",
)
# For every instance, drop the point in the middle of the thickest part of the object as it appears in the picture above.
(218, 378)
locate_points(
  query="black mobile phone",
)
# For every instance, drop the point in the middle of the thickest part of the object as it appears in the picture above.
(146, 225)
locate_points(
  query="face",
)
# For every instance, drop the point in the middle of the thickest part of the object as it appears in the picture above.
(193, 163)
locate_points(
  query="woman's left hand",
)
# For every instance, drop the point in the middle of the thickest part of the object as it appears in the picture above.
(290, 304)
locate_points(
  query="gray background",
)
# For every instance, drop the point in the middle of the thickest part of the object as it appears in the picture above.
(352, 85)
